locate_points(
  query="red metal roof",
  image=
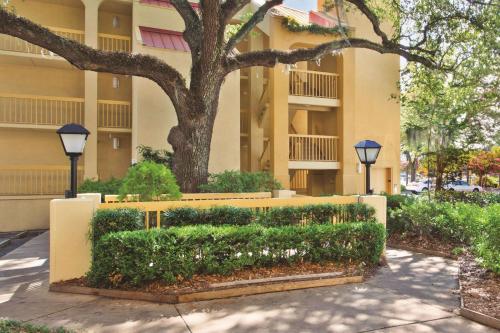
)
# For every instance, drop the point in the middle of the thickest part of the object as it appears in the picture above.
(166, 3)
(165, 39)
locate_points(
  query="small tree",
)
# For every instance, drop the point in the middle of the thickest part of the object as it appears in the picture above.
(485, 163)
(151, 182)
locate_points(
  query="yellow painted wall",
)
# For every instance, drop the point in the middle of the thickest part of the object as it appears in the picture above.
(113, 163)
(106, 91)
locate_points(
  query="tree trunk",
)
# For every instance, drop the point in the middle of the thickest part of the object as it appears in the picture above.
(191, 138)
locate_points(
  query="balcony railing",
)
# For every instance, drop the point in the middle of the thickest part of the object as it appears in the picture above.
(313, 148)
(114, 114)
(40, 110)
(313, 84)
(114, 43)
(9, 43)
(35, 179)
(106, 42)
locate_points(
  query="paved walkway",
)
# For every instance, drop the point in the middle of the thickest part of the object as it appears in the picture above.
(415, 293)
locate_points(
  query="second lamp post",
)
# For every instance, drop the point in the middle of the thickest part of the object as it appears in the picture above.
(367, 151)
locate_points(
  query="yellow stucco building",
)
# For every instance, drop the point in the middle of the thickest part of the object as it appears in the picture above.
(298, 122)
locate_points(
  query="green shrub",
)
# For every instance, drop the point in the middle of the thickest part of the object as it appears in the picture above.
(14, 326)
(397, 200)
(114, 220)
(458, 223)
(111, 186)
(488, 246)
(160, 156)
(316, 214)
(239, 182)
(479, 198)
(151, 181)
(138, 257)
(213, 216)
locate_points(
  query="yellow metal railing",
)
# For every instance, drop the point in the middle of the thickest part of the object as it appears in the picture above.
(313, 147)
(111, 198)
(9, 43)
(313, 84)
(108, 42)
(114, 114)
(35, 179)
(40, 110)
(155, 208)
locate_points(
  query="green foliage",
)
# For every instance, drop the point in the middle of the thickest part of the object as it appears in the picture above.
(292, 25)
(151, 181)
(213, 216)
(14, 326)
(239, 182)
(478, 198)
(488, 246)
(111, 186)
(316, 214)
(137, 257)
(160, 156)
(397, 200)
(457, 223)
(114, 220)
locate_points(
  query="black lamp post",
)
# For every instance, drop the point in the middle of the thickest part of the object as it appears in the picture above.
(368, 151)
(73, 138)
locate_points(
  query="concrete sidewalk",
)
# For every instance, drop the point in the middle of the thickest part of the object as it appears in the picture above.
(413, 294)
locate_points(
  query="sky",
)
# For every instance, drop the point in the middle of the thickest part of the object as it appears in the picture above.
(301, 4)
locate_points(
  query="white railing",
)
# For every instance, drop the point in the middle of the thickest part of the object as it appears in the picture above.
(114, 114)
(9, 43)
(35, 179)
(313, 148)
(313, 84)
(40, 110)
(108, 42)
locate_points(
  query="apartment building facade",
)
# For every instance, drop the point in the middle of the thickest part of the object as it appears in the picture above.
(298, 122)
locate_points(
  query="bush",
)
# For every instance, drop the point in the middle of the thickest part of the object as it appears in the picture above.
(479, 198)
(488, 246)
(397, 200)
(214, 216)
(111, 186)
(457, 223)
(113, 220)
(151, 181)
(137, 257)
(239, 182)
(317, 214)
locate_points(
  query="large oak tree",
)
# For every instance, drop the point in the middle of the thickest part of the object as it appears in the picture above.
(429, 28)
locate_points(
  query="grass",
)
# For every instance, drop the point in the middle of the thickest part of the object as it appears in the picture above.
(14, 326)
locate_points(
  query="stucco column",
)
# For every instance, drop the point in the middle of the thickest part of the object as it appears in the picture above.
(91, 26)
(255, 131)
(278, 83)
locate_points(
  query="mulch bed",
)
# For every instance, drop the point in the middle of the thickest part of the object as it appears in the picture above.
(202, 282)
(480, 289)
(423, 243)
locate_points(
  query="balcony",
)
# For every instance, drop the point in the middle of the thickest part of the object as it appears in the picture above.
(106, 42)
(50, 112)
(313, 88)
(313, 152)
(35, 179)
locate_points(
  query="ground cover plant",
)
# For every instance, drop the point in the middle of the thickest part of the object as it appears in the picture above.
(14, 326)
(134, 258)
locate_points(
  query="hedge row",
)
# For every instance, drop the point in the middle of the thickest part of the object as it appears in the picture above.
(133, 258)
(106, 221)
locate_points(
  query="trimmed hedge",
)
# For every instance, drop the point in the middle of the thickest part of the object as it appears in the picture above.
(240, 182)
(134, 258)
(113, 220)
(213, 216)
(317, 214)
(478, 198)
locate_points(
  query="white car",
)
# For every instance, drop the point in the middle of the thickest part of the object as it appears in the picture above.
(419, 186)
(462, 186)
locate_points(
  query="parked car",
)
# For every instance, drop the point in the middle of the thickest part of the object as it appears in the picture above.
(419, 186)
(462, 186)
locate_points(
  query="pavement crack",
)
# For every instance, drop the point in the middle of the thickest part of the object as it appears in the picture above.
(184, 320)
(408, 324)
(58, 311)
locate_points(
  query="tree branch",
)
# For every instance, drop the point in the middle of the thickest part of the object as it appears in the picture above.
(256, 18)
(370, 15)
(269, 58)
(86, 58)
(231, 7)
(192, 32)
